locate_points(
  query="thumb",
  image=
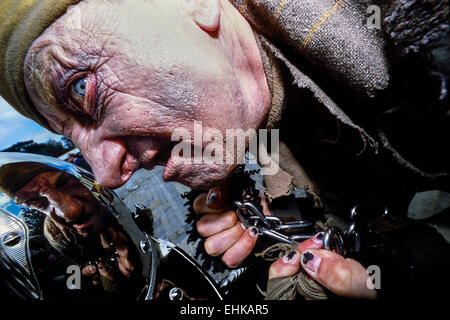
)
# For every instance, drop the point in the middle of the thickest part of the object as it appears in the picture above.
(344, 277)
(217, 196)
(214, 201)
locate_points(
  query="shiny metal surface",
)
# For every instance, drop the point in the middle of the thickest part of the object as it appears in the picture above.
(270, 226)
(176, 294)
(54, 217)
(36, 235)
(15, 256)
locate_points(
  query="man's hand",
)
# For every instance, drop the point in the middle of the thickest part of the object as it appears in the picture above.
(120, 242)
(225, 235)
(99, 273)
(222, 228)
(344, 277)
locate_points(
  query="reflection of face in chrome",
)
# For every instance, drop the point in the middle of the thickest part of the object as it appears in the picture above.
(63, 198)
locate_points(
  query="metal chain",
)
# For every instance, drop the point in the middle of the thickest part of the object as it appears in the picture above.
(275, 228)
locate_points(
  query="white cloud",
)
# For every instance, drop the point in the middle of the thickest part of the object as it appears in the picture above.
(8, 113)
(11, 122)
(10, 128)
(43, 136)
(14, 128)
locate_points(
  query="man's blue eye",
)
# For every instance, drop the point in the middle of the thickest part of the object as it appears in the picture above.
(78, 89)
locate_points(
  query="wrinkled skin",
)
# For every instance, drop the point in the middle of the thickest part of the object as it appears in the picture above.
(62, 198)
(66, 201)
(156, 68)
(227, 238)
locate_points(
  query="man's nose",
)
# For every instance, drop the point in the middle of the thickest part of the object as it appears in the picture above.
(71, 208)
(111, 163)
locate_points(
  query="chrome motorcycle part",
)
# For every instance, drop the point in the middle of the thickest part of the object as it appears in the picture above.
(176, 294)
(15, 257)
(38, 241)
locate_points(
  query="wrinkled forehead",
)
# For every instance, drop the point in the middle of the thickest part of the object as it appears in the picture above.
(90, 28)
(72, 41)
(63, 46)
(42, 179)
(91, 34)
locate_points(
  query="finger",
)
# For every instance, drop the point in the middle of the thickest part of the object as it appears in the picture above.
(290, 264)
(287, 266)
(217, 196)
(237, 253)
(221, 242)
(112, 235)
(265, 206)
(122, 251)
(103, 272)
(214, 223)
(344, 277)
(107, 238)
(200, 206)
(126, 263)
(89, 271)
(121, 238)
(315, 242)
(125, 267)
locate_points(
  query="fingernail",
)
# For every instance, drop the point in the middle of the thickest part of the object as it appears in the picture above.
(318, 238)
(214, 196)
(289, 258)
(92, 268)
(311, 262)
(254, 232)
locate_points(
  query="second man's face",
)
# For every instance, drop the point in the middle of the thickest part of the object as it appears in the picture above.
(62, 197)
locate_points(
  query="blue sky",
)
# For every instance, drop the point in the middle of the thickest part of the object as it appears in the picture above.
(14, 128)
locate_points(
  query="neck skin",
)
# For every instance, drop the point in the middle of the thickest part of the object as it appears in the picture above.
(237, 39)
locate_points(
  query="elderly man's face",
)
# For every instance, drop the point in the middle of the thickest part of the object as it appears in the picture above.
(62, 197)
(118, 77)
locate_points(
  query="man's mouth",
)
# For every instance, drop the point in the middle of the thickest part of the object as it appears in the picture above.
(147, 153)
(84, 222)
(163, 157)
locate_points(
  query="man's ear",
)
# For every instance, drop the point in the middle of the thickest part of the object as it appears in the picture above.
(206, 13)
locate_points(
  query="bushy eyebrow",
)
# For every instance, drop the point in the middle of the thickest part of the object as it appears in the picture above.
(47, 68)
(54, 60)
(37, 71)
